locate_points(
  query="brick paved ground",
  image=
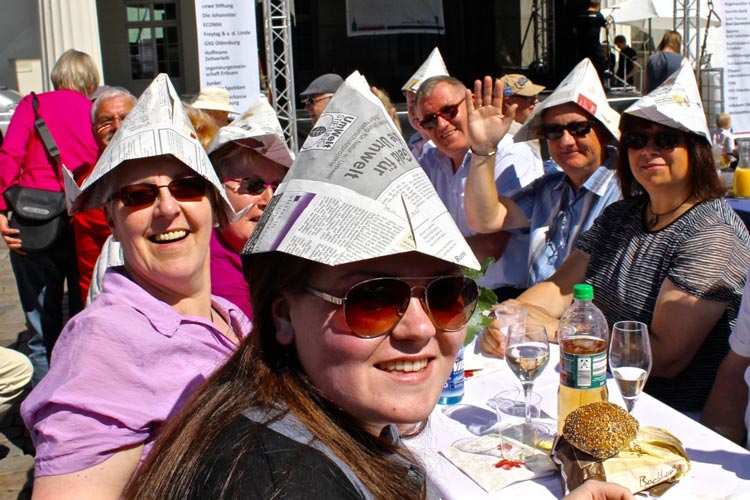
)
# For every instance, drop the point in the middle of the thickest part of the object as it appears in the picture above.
(16, 452)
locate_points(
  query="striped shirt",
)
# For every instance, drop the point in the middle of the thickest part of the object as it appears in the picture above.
(558, 215)
(705, 253)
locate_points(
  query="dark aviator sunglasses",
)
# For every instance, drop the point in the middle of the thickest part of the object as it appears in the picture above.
(374, 307)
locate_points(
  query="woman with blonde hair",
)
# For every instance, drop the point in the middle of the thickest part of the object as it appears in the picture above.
(42, 272)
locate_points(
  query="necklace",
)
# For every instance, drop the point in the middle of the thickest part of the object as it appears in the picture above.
(654, 219)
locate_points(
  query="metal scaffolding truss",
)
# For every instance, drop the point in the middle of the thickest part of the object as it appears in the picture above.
(280, 65)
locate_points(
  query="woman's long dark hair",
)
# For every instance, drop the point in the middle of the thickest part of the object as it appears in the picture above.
(704, 182)
(264, 374)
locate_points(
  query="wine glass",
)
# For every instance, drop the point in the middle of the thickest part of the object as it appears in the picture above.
(527, 353)
(630, 359)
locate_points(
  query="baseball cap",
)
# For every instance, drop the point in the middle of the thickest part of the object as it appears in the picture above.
(520, 85)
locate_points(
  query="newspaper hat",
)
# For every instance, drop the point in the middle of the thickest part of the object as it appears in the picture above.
(156, 126)
(215, 99)
(259, 129)
(356, 192)
(432, 66)
(676, 103)
(582, 87)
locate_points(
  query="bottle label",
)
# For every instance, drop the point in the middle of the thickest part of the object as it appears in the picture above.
(583, 371)
(455, 384)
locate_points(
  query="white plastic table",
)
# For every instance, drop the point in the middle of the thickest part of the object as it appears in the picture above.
(719, 468)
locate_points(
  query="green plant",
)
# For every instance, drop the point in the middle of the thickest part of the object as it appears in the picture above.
(487, 299)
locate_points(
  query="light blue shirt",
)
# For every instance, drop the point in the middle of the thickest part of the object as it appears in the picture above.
(557, 215)
(516, 165)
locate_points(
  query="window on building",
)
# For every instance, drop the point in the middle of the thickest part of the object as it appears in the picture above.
(153, 37)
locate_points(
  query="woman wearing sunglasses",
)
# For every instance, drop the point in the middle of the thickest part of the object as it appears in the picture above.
(251, 158)
(672, 254)
(134, 356)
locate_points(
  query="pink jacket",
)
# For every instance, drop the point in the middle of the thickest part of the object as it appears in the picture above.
(23, 158)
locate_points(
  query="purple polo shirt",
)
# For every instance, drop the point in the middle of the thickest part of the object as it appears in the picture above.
(120, 368)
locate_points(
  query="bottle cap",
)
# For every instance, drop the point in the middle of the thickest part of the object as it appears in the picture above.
(583, 291)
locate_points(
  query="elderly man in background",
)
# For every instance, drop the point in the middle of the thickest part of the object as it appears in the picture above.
(91, 230)
(579, 127)
(318, 93)
(442, 110)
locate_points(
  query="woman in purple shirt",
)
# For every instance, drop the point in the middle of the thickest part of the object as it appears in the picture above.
(133, 357)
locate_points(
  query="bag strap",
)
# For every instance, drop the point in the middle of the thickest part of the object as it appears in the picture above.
(46, 135)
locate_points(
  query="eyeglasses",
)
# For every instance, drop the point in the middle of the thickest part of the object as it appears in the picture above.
(310, 101)
(663, 140)
(446, 113)
(251, 185)
(104, 122)
(374, 307)
(576, 129)
(143, 194)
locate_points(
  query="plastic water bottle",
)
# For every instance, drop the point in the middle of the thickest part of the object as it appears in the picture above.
(453, 390)
(584, 338)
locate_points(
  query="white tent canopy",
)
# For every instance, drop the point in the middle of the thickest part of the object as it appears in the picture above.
(660, 13)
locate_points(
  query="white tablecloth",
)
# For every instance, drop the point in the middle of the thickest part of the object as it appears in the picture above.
(719, 468)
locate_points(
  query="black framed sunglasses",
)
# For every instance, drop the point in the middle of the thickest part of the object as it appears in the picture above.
(576, 129)
(663, 140)
(251, 185)
(186, 188)
(447, 113)
(311, 101)
(372, 308)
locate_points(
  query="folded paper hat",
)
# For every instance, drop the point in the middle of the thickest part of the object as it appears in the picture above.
(432, 66)
(156, 126)
(214, 98)
(257, 128)
(520, 85)
(355, 192)
(676, 103)
(582, 87)
(324, 84)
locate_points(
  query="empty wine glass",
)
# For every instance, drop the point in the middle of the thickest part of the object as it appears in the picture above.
(630, 359)
(527, 353)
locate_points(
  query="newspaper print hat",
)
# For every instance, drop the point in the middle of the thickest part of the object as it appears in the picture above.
(583, 87)
(432, 66)
(156, 126)
(355, 192)
(257, 128)
(676, 103)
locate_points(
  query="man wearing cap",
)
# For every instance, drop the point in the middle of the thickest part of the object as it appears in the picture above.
(215, 102)
(580, 128)
(318, 93)
(524, 93)
(442, 111)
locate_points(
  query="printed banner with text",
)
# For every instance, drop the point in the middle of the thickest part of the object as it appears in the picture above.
(228, 49)
(737, 64)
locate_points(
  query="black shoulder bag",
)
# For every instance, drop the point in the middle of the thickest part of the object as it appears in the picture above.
(39, 214)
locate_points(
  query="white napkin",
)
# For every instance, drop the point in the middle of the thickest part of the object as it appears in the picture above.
(476, 457)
